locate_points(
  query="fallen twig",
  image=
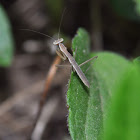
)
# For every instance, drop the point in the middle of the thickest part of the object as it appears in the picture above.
(48, 83)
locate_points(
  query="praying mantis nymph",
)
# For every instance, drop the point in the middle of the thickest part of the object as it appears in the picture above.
(63, 49)
(72, 61)
(75, 66)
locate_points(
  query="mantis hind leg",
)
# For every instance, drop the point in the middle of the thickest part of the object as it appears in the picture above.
(87, 62)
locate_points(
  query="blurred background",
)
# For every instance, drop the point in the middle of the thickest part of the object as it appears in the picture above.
(32, 90)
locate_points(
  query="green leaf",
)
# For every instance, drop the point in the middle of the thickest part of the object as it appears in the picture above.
(88, 107)
(6, 40)
(137, 60)
(137, 6)
(123, 121)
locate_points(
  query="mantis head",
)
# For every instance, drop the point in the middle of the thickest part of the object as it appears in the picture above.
(56, 42)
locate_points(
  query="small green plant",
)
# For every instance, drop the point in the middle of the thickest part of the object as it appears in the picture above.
(109, 109)
(6, 40)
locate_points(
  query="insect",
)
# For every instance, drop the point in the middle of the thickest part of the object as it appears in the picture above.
(65, 53)
(72, 61)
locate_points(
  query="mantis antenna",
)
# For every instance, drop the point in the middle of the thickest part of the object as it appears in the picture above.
(38, 33)
(67, 54)
(46, 34)
(61, 21)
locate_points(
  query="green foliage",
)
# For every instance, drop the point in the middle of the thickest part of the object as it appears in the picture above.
(137, 60)
(88, 108)
(6, 41)
(137, 6)
(126, 8)
(123, 121)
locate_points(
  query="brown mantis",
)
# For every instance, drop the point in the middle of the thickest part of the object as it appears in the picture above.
(72, 61)
(75, 66)
(64, 51)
